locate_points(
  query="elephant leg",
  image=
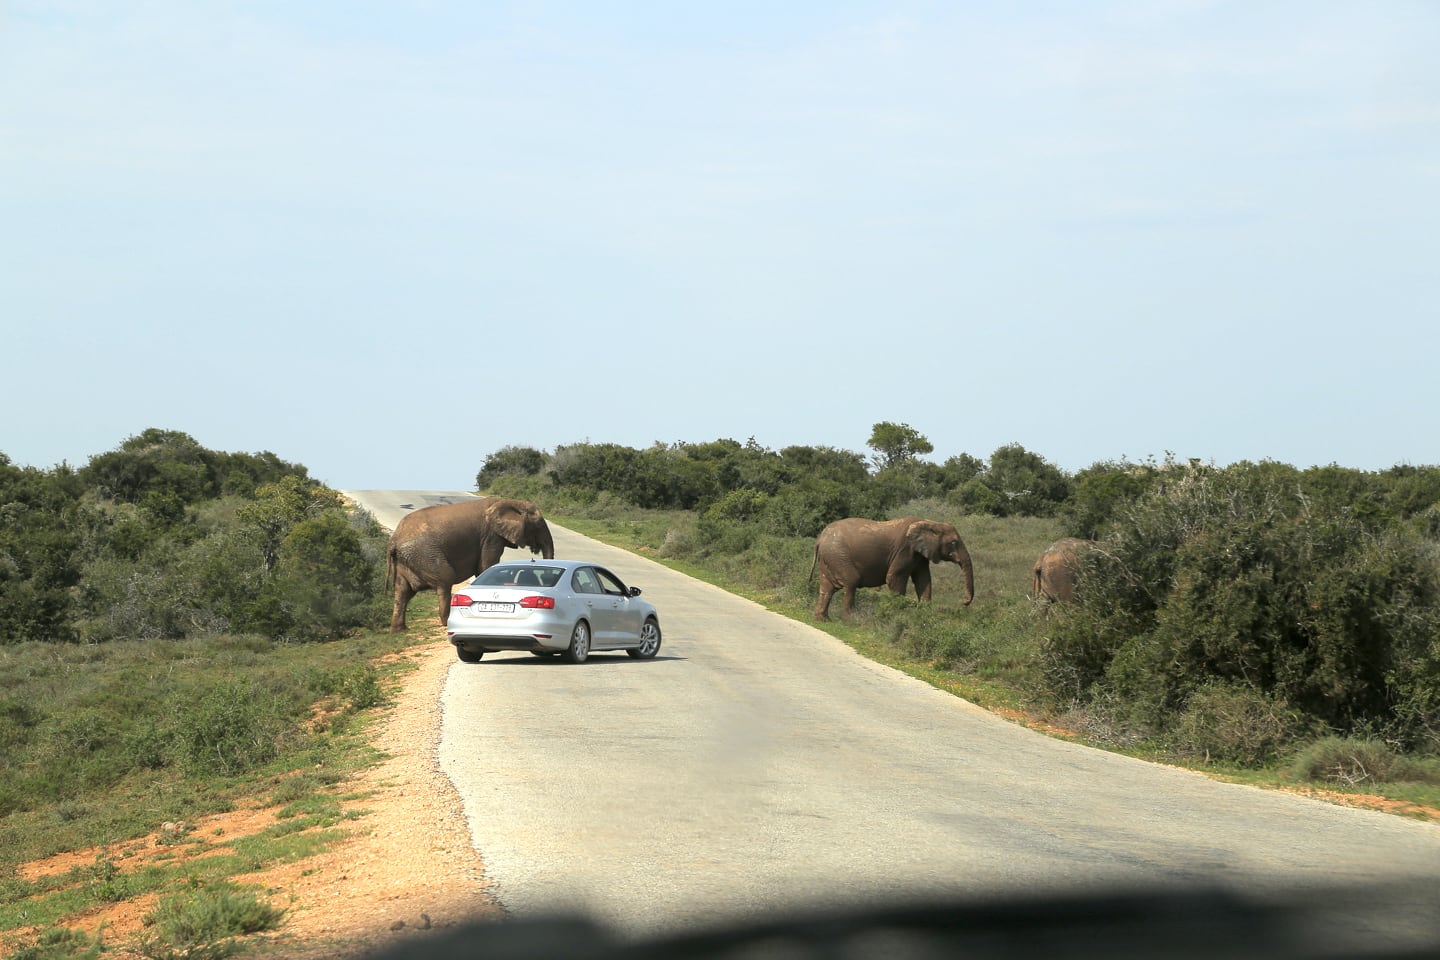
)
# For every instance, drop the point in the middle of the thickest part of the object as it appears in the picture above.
(923, 583)
(898, 583)
(444, 593)
(403, 594)
(822, 606)
(849, 599)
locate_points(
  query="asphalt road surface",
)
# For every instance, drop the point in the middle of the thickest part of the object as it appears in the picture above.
(758, 765)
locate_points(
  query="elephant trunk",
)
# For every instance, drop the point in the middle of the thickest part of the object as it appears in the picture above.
(547, 542)
(969, 568)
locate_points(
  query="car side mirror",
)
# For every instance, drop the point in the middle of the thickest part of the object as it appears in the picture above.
(634, 591)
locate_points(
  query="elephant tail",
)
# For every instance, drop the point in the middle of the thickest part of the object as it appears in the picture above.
(390, 568)
(814, 559)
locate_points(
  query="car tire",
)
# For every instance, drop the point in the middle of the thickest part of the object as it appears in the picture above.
(579, 649)
(649, 641)
(469, 656)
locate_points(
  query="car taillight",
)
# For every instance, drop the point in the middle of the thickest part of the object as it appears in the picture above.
(537, 603)
(460, 600)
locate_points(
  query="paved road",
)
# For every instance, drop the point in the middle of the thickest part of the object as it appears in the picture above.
(758, 764)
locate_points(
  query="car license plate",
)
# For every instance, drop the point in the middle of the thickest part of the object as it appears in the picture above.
(494, 608)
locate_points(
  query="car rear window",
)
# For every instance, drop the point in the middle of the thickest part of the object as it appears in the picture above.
(522, 575)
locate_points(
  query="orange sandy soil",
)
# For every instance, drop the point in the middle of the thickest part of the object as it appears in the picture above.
(406, 870)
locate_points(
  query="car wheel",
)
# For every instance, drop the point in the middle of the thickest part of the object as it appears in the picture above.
(649, 642)
(579, 643)
(469, 656)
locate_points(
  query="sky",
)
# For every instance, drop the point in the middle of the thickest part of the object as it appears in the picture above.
(387, 239)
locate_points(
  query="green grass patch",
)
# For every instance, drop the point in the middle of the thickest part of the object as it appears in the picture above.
(104, 745)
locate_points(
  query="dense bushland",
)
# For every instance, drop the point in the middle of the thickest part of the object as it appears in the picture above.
(1263, 592)
(1234, 614)
(162, 538)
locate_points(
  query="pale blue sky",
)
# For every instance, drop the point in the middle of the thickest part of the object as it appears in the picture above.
(387, 239)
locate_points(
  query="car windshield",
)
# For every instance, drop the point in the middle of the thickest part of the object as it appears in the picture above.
(520, 575)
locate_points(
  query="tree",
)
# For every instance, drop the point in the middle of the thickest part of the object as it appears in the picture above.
(1027, 485)
(166, 462)
(42, 527)
(896, 443)
(512, 460)
(279, 506)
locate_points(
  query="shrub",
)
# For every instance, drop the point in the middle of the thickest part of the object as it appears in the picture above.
(194, 923)
(1102, 492)
(729, 525)
(1352, 761)
(519, 461)
(1233, 723)
(1234, 576)
(60, 943)
(126, 601)
(1024, 483)
(326, 582)
(230, 727)
(924, 631)
(804, 509)
(164, 462)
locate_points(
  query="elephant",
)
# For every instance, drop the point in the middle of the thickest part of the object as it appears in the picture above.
(856, 552)
(1057, 568)
(437, 547)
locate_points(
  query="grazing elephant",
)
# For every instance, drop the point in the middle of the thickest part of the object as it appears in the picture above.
(1057, 568)
(437, 547)
(856, 552)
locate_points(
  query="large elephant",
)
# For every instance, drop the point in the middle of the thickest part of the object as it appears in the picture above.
(856, 552)
(437, 547)
(1058, 567)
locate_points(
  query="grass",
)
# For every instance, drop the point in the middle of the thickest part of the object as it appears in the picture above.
(102, 746)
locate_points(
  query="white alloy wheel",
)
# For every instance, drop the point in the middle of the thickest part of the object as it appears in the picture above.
(579, 643)
(649, 642)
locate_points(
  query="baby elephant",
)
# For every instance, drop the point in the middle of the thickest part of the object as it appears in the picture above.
(856, 552)
(1058, 567)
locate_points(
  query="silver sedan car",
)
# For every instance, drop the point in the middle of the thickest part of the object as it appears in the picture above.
(548, 607)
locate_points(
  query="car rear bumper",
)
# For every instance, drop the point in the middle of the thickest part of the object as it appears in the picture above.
(491, 644)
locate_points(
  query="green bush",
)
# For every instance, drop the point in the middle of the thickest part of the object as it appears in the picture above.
(1233, 723)
(60, 944)
(196, 923)
(1236, 577)
(1353, 761)
(925, 631)
(1101, 492)
(357, 686)
(805, 508)
(731, 524)
(230, 727)
(327, 582)
(519, 461)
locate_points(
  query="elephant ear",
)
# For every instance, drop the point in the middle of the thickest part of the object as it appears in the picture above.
(509, 522)
(924, 538)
